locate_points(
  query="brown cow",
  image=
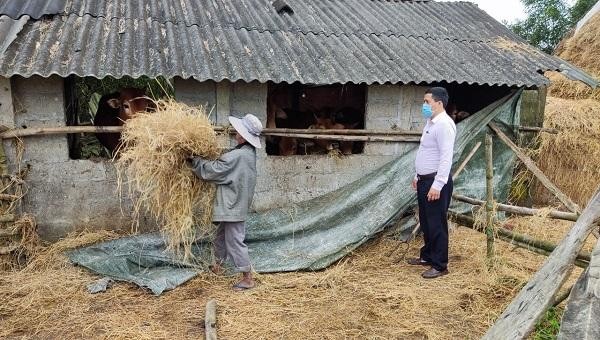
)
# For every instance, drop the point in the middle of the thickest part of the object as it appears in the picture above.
(115, 109)
(327, 120)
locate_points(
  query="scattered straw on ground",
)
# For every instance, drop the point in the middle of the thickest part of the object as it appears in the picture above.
(153, 161)
(363, 296)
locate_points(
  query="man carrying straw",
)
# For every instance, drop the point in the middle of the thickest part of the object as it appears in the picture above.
(433, 182)
(234, 173)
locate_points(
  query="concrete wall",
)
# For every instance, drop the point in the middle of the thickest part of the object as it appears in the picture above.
(67, 195)
(63, 194)
(288, 179)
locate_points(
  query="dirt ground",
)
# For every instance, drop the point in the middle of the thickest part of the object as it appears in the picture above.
(365, 295)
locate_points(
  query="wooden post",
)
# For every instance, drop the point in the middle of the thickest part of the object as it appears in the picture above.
(210, 320)
(521, 315)
(533, 103)
(530, 164)
(489, 206)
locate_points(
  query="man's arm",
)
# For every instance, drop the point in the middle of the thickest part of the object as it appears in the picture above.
(214, 171)
(445, 140)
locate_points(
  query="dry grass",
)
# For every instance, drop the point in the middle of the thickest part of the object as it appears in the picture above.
(562, 87)
(571, 158)
(153, 161)
(363, 296)
(583, 49)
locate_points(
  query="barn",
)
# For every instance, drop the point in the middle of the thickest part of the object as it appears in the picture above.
(374, 58)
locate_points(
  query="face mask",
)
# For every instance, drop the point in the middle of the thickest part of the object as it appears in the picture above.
(427, 113)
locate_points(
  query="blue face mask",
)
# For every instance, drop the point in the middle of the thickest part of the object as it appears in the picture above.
(427, 113)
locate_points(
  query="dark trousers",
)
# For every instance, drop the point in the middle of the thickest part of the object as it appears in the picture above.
(433, 217)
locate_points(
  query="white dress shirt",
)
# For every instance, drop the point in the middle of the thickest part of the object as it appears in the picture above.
(436, 149)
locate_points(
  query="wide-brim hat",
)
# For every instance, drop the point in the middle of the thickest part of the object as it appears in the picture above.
(248, 127)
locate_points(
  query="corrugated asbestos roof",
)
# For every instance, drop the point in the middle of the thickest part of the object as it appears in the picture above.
(32, 8)
(322, 42)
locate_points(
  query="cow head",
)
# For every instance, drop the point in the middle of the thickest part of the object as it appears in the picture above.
(130, 102)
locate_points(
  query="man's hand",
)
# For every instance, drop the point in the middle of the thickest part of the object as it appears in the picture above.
(433, 195)
(414, 184)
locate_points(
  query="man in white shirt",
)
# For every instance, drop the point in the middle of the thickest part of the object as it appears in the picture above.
(433, 182)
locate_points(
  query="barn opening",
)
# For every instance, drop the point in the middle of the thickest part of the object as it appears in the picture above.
(467, 99)
(300, 106)
(82, 100)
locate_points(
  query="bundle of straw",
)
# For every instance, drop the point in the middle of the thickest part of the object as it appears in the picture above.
(153, 161)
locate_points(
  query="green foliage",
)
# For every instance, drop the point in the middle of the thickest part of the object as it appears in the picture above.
(548, 327)
(548, 21)
(580, 9)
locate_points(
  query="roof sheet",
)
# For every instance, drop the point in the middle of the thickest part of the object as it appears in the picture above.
(323, 42)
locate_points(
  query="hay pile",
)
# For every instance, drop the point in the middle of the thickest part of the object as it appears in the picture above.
(153, 160)
(583, 49)
(363, 296)
(571, 159)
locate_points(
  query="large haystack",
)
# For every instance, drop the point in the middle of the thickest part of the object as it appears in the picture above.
(571, 158)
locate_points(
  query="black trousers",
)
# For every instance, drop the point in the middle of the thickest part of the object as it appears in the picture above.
(433, 217)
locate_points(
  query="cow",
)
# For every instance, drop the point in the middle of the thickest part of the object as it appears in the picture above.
(340, 120)
(114, 109)
(348, 118)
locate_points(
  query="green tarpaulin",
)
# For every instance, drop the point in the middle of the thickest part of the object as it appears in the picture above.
(313, 234)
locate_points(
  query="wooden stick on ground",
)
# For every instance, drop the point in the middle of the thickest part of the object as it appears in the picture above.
(555, 214)
(520, 317)
(210, 320)
(572, 206)
(462, 165)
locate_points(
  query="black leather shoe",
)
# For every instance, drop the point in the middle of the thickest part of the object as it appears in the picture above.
(418, 262)
(433, 273)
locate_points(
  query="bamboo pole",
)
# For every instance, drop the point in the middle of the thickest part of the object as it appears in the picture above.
(210, 320)
(43, 131)
(7, 232)
(537, 129)
(519, 240)
(559, 215)
(7, 197)
(7, 218)
(489, 206)
(349, 138)
(462, 165)
(522, 314)
(530, 164)
(562, 297)
(3, 163)
(367, 132)
(8, 249)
